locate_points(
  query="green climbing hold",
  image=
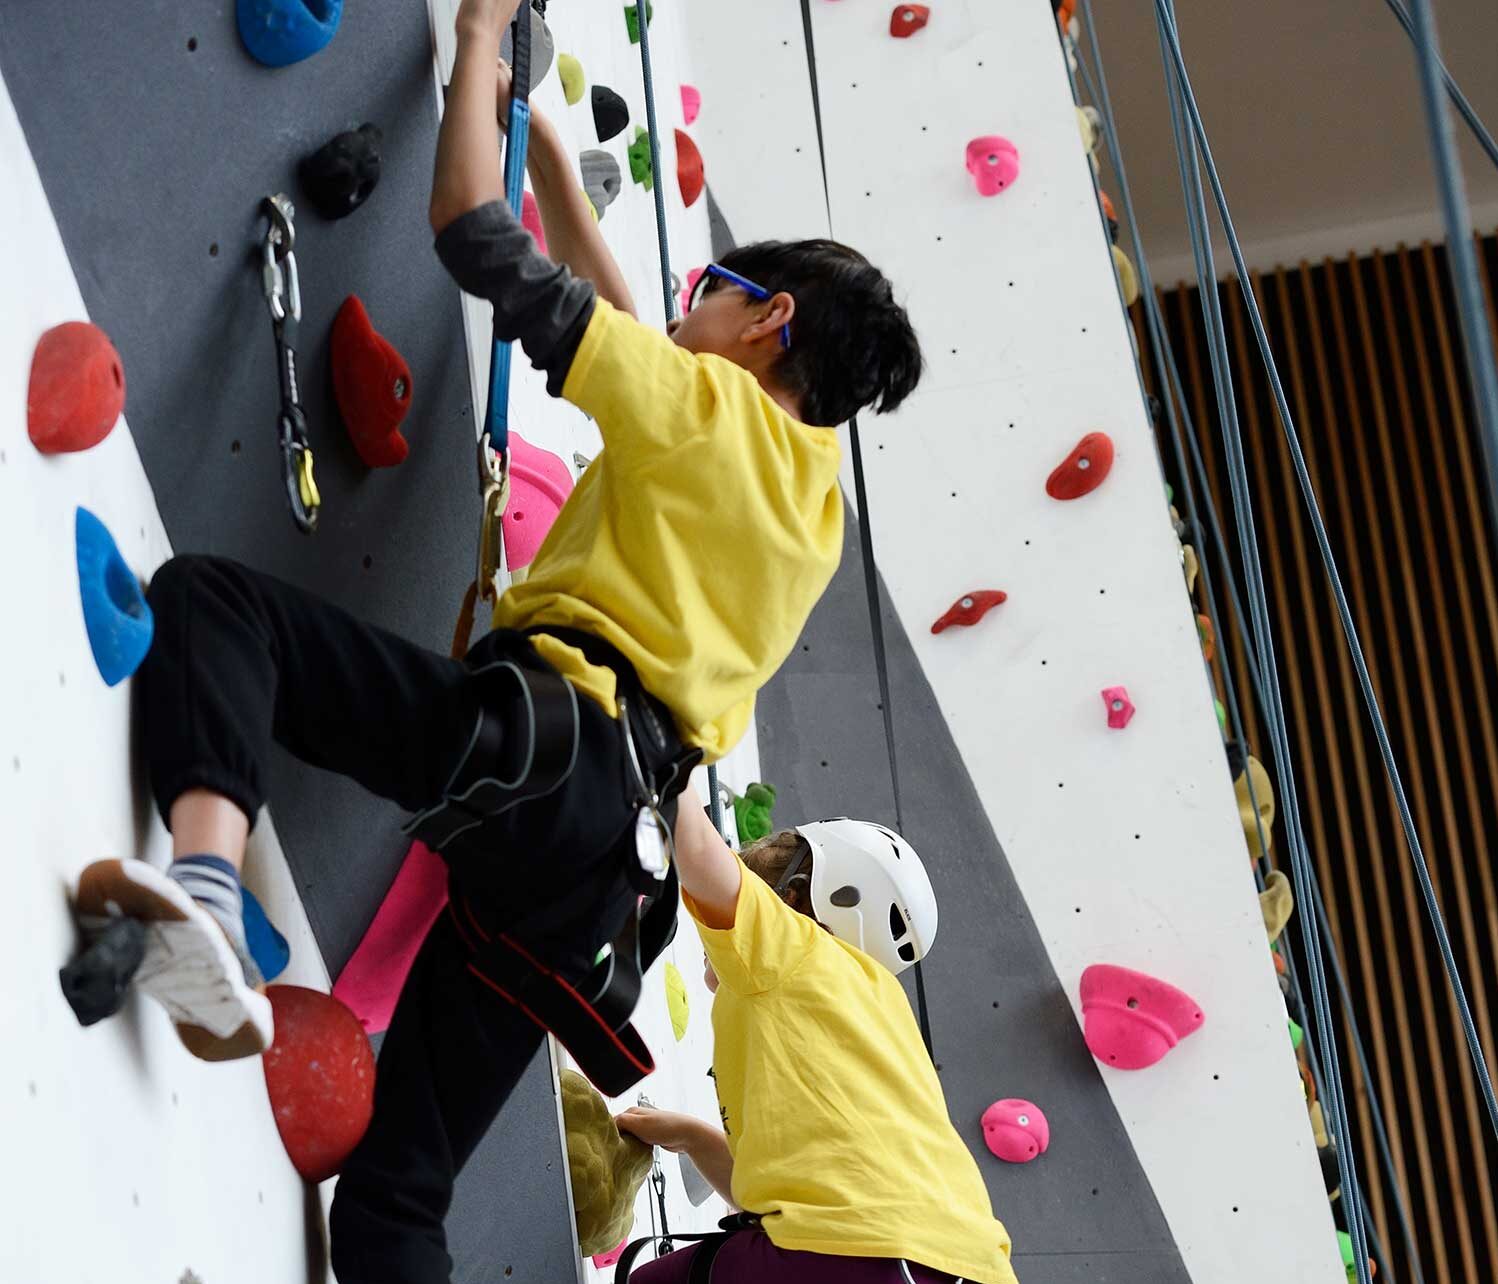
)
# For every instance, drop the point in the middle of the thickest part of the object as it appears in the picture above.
(1170, 493)
(1297, 1035)
(640, 167)
(1222, 714)
(573, 81)
(606, 1167)
(677, 1003)
(632, 20)
(752, 812)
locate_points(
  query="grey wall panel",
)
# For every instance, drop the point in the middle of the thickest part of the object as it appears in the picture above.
(155, 156)
(1001, 1025)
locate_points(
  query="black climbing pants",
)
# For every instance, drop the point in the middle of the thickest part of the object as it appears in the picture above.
(241, 660)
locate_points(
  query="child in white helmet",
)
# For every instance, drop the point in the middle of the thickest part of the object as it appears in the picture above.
(835, 1131)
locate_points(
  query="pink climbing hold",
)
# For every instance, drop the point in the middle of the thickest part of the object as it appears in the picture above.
(1120, 707)
(1131, 1020)
(530, 218)
(371, 980)
(907, 19)
(1016, 1130)
(77, 388)
(604, 1260)
(693, 277)
(539, 485)
(691, 103)
(993, 162)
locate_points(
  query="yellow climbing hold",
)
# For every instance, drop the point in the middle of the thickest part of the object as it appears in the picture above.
(1276, 901)
(573, 81)
(1263, 794)
(677, 1002)
(607, 1168)
(1128, 280)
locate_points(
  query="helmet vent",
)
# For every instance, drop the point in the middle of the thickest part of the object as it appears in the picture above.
(897, 928)
(846, 897)
(907, 952)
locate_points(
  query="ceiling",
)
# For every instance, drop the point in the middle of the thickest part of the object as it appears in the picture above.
(1314, 115)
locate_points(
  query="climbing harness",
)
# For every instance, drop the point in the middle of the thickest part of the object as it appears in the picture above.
(710, 1245)
(283, 298)
(540, 727)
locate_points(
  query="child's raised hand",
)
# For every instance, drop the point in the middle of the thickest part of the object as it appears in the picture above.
(663, 1128)
(486, 17)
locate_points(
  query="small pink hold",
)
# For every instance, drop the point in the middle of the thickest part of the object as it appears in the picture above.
(693, 277)
(1120, 707)
(530, 218)
(1016, 1130)
(1131, 1020)
(611, 1258)
(993, 162)
(691, 103)
(539, 485)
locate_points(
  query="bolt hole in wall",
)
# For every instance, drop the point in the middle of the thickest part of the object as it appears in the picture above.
(192, 44)
(234, 447)
(213, 250)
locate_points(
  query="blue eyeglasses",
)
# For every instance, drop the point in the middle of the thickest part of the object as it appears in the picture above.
(744, 283)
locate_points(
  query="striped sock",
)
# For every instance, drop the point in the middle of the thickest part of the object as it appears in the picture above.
(214, 884)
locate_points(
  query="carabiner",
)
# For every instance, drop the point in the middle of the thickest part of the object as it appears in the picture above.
(494, 492)
(281, 285)
(283, 298)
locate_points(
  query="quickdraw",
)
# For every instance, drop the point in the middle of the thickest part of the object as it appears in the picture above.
(283, 298)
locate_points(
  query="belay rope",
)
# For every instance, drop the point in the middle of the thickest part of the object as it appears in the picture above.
(494, 439)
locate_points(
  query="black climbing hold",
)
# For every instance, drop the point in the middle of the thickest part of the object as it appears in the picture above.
(94, 984)
(339, 176)
(610, 113)
(1236, 758)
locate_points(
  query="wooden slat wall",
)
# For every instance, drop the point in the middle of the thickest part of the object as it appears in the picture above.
(1371, 357)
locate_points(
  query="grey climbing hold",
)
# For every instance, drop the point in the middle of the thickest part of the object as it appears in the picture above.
(602, 178)
(698, 1189)
(543, 47)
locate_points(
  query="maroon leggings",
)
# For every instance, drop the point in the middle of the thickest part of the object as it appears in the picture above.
(750, 1258)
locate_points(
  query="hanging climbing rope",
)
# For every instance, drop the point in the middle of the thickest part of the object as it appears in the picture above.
(283, 298)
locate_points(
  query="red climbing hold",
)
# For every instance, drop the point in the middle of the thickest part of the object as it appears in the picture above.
(319, 1074)
(372, 384)
(1208, 636)
(993, 162)
(1016, 1130)
(1132, 1020)
(530, 218)
(1120, 707)
(969, 609)
(1108, 212)
(691, 103)
(907, 19)
(77, 388)
(1084, 470)
(688, 169)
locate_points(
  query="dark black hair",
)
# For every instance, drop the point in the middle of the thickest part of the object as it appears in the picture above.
(852, 345)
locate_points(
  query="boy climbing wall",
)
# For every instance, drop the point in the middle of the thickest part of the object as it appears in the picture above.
(545, 765)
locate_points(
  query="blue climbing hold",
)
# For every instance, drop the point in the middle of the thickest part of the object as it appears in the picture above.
(115, 613)
(267, 946)
(281, 32)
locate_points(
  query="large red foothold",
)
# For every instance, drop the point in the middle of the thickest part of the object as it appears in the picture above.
(530, 219)
(1084, 470)
(539, 485)
(691, 103)
(689, 175)
(968, 609)
(1132, 1020)
(1016, 1130)
(320, 1074)
(372, 384)
(77, 388)
(907, 19)
(1120, 707)
(993, 162)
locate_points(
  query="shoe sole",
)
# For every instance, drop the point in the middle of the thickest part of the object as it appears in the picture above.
(189, 966)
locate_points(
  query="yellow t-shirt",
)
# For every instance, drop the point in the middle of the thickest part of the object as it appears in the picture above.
(834, 1114)
(699, 539)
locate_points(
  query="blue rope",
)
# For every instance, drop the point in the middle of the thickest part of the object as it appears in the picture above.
(1170, 380)
(1391, 768)
(1453, 90)
(1323, 1033)
(1461, 259)
(668, 292)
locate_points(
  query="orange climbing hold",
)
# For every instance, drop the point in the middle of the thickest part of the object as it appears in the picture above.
(1084, 470)
(372, 384)
(319, 1074)
(77, 389)
(907, 19)
(1208, 635)
(967, 610)
(689, 173)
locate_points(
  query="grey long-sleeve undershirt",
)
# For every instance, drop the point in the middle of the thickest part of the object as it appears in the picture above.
(490, 255)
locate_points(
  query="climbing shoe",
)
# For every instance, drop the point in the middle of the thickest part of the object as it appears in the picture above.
(212, 993)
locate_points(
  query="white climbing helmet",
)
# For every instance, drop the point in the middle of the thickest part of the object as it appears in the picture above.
(869, 887)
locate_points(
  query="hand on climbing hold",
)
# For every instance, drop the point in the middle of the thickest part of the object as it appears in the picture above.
(663, 1128)
(485, 17)
(969, 609)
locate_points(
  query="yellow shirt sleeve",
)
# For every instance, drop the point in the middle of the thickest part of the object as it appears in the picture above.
(767, 942)
(618, 359)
